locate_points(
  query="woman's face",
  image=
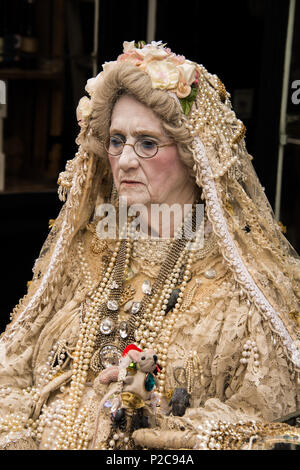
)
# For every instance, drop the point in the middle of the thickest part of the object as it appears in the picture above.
(160, 179)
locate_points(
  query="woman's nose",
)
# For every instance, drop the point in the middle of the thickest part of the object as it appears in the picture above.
(128, 158)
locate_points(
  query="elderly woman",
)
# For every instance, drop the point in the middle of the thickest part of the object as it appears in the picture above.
(214, 304)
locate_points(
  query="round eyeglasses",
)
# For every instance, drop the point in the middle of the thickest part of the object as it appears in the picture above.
(144, 148)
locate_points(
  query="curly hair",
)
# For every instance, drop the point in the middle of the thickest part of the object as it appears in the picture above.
(127, 79)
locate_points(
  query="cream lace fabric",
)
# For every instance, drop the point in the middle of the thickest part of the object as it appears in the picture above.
(216, 326)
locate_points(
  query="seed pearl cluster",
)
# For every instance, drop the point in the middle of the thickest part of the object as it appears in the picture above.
(72, 434)
(12, 424)
(209, 110)
(154, 320)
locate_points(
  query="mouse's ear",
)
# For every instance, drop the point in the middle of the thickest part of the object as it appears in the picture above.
(135, 355)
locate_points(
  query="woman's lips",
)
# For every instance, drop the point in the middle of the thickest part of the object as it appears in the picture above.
(131, 182)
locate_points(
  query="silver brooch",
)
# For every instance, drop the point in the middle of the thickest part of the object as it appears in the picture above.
(112, 305)
(146, 287)
(106, 326)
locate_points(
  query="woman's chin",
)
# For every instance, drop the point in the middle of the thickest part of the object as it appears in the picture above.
(134, 197)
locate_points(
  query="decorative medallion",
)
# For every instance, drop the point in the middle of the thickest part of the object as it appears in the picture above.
(127, 295)
(110, 355)
(97, 245)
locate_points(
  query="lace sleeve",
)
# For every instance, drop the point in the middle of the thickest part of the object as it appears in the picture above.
(245, 379)
(16, 401)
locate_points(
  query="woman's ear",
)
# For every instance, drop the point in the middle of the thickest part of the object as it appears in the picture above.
(134, 355)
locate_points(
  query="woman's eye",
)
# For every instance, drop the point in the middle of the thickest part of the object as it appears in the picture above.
(115, 142)
(148, 144)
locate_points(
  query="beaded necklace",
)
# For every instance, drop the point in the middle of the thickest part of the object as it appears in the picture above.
(101, 311)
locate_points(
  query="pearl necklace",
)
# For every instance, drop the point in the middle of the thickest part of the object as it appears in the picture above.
(73, 433)
(155, 320)
(68, 436)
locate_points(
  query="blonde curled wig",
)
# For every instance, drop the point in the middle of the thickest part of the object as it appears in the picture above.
(127, 79)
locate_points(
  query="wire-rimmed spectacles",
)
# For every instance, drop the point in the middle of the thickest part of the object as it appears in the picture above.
(144, 148)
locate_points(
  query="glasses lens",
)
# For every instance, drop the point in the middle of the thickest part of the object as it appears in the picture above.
(114, 145)
(146, 148)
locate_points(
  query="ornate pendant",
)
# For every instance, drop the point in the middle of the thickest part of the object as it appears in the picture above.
(110, 355)
(106, 326)
(146, 287)
(127, 295)
(104, 357)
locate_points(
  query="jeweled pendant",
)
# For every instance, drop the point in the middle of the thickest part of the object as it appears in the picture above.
(112, 305)
(135, 307)
(123, 329)
(210, 273)
(106, 326)
(146, 287)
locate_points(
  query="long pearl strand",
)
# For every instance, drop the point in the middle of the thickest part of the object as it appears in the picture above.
(155, 321)
(73, 430)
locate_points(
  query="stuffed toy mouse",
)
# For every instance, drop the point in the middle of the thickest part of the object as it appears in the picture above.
(132, 394)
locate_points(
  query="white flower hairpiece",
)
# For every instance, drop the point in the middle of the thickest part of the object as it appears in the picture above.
(167, 70)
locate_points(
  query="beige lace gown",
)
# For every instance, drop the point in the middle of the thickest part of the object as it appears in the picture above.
(240, 370)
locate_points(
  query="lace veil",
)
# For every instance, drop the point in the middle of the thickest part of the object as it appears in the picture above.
(263, 263)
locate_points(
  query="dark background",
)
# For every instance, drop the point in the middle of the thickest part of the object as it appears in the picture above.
(242, 42)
